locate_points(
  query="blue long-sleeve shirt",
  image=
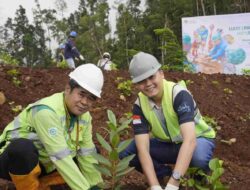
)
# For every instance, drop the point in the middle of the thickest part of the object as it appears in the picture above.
(70, 50)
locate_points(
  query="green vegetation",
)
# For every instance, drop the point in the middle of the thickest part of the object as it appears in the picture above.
(8, 59)
(172, 54)
(197, 179)
(188, 82)
(246, 71)
(112, 166)
(211, 122)
(14, 73)
(125, 87)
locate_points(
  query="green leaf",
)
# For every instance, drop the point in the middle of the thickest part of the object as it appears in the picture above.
(219, 186)
(115, 140)
(112, 126)
(103, 170)
(101, 159)
(214, 164)
(199, 187)
(125, 172)
(190, 182)
(216, 174)
(103, 142)
(114, 155)
(123, 164)
(112, 117)
(124, 145)
(118, 187)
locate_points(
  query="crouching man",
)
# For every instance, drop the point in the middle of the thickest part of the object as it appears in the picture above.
(54, 134)
(168, 111)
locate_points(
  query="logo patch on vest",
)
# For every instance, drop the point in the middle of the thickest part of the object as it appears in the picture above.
(52, 131)
(136, 119)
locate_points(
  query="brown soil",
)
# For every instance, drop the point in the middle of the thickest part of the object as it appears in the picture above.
(230, 110)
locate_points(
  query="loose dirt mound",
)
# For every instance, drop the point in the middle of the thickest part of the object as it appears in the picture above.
(222, 97)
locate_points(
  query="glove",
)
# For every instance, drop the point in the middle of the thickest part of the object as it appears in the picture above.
(81, 57)
(156, 187)
(171, 187)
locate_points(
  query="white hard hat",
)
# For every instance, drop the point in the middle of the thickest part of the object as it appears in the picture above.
(89, 77)
(142, 66)
(106, 54)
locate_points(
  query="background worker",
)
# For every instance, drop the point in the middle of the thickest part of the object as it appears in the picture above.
(55, 134)
(168, 111)
(105, 62)
(71, 52)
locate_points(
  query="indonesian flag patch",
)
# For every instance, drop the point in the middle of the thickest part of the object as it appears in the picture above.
(136, 119)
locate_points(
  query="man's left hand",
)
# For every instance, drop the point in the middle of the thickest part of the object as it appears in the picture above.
(171, 187)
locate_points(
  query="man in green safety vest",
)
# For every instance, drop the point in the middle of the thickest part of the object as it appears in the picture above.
(167, 111)
(54, 134)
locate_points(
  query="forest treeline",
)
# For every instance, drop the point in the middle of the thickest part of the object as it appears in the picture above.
(155, 29)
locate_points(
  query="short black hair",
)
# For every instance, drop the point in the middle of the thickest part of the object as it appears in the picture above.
(73, 84)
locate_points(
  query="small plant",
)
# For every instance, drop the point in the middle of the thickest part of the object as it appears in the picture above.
(211, 122)
(245, 71)
(188, 82)
(62, 64)
(125, 87)
(14, 74)
(198, 179)
(113, 167)
(15, 108)
(8, 59)
(227, 91)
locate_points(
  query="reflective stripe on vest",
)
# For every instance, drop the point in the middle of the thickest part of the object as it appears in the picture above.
(60, 155)
(86, 151)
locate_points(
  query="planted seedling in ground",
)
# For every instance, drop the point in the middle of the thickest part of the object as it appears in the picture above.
(14, 74)
(111, 166)
(195, 178)
(211, 122)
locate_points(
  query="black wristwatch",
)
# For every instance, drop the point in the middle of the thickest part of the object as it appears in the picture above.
(176, 175)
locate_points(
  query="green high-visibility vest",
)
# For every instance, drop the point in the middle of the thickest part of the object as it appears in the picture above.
(56, 144)
(172, 125)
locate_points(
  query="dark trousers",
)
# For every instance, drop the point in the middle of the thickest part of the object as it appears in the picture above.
(19, 158)
(163, 153)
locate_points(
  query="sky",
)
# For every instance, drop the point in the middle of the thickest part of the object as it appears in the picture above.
(9, 7)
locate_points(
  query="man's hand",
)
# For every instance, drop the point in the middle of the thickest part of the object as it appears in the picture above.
(171, 187)
(81, 57)
(156, 187)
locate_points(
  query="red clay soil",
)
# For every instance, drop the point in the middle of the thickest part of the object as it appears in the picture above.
(211, 92)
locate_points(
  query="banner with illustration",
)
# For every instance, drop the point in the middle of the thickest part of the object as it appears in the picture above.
(217, 44)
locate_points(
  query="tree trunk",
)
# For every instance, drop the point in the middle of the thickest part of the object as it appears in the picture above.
(203, 8)
(214, 6)
(197, 7)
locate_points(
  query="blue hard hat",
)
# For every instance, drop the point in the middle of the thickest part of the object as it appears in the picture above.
(73, 34)
(61, 46)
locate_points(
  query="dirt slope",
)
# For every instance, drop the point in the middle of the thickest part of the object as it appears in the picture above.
(223, 97)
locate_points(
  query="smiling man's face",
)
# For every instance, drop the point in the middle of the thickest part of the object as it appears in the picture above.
(78, 100)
